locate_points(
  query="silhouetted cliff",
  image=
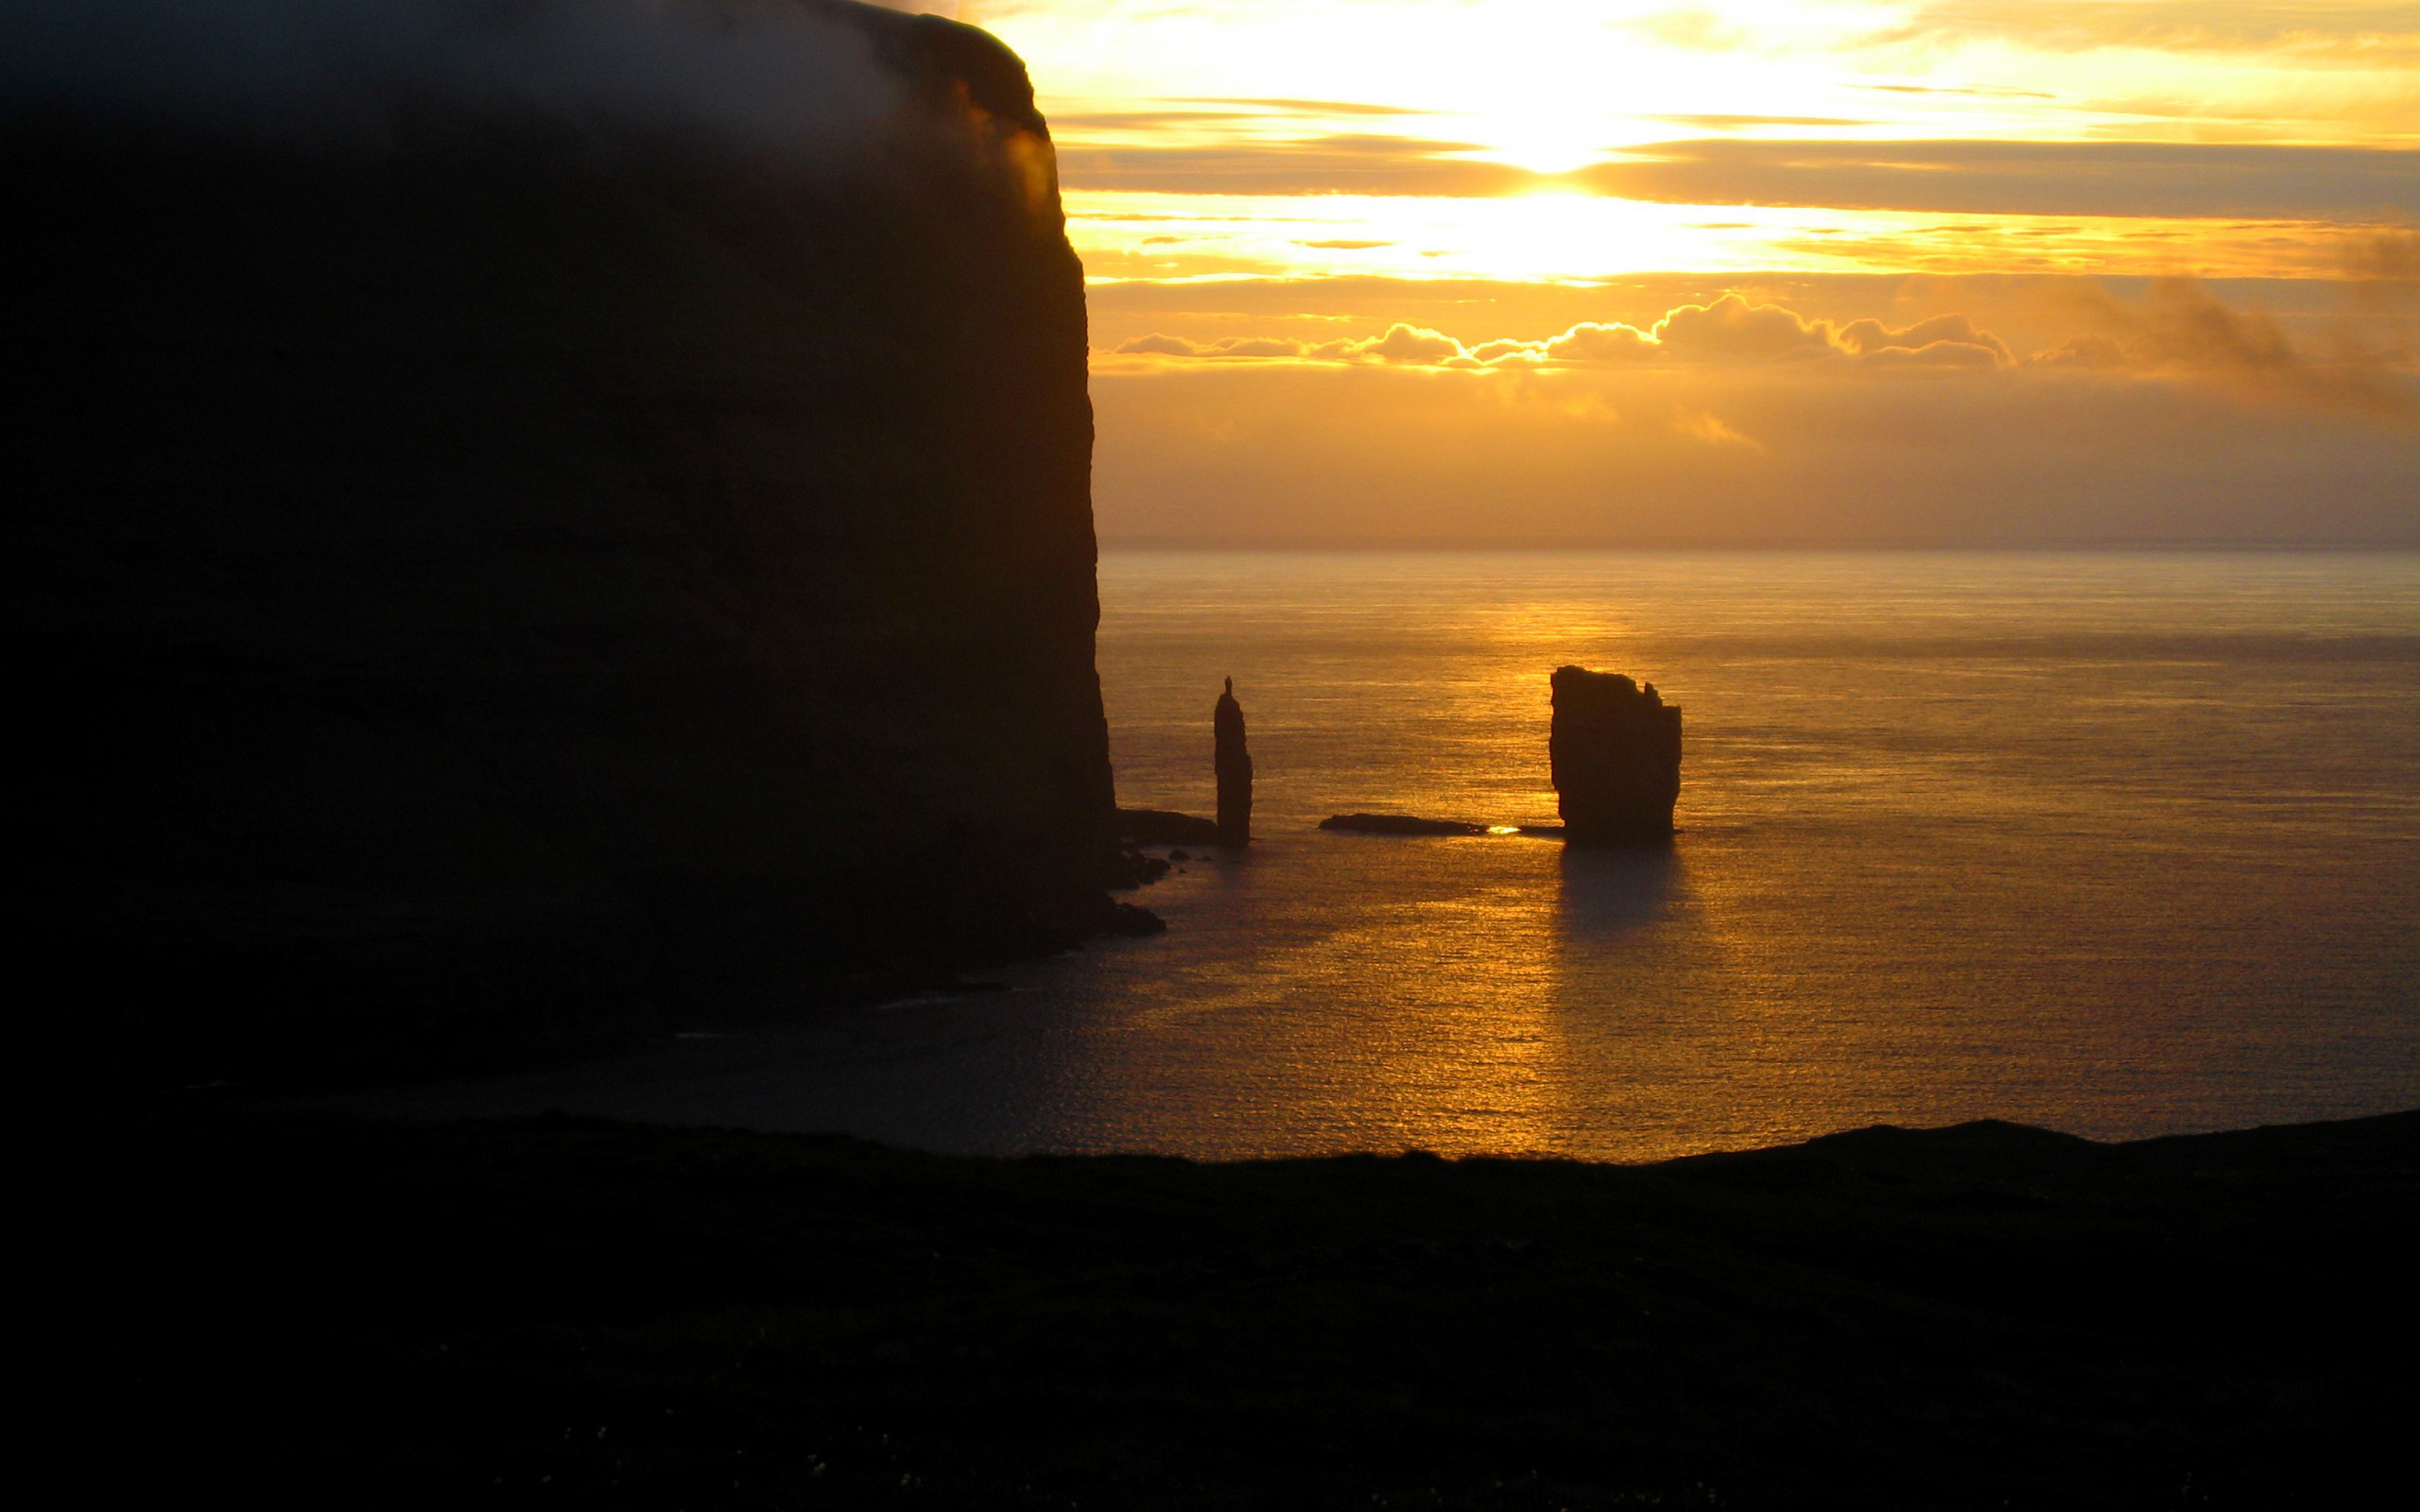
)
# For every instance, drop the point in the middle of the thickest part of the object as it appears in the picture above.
(573, 526)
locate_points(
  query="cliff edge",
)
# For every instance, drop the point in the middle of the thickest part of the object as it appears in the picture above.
(549, 513)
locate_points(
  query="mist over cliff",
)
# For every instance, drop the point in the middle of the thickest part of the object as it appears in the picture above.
(779, 75)
(544, 510)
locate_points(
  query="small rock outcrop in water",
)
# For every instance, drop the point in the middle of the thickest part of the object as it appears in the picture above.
(1235, 770)
(1399, 824)
(1615, 749)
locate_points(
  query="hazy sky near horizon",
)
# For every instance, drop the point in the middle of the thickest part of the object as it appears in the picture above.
(1745, 270)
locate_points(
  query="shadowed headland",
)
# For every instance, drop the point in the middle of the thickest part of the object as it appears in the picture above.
(1977, 1316)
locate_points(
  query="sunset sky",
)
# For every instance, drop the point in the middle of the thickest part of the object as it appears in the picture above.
(1832, 270)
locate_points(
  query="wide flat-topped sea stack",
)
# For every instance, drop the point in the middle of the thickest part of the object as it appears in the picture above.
(1615, 749)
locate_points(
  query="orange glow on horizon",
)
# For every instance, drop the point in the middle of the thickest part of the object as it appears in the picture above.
(1419, 129)
(1351, 252)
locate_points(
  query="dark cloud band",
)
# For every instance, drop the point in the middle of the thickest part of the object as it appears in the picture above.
(2122, 178)
(2153, 179)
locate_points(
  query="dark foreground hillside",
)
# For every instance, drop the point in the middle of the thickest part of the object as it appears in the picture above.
(558, 1311)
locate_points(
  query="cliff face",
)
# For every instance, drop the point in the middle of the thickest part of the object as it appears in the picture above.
(510, 559)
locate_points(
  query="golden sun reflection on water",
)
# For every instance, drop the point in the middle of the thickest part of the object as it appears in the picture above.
(1927, 858)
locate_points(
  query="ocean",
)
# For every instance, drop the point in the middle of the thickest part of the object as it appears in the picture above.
(2118, 843)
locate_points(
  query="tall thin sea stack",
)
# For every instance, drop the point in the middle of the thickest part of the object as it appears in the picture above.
(1616, 750)
(1233, 763)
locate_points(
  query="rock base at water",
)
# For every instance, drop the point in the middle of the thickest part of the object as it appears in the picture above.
(1165, 827)
(1413, 826)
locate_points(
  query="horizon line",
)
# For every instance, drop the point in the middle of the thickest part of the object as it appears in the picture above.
(2392, 546)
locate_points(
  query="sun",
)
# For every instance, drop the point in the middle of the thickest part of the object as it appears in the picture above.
(1541, 145)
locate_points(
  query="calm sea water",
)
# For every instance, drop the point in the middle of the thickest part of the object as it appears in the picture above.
(2122, 843)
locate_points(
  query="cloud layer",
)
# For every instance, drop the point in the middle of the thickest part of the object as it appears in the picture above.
(2132, 179)
(1728, 330)
(2124, 178)
(2361, 32)
(2181, 330)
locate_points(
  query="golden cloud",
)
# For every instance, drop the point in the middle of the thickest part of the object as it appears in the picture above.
(2181, 330)
(2365, 33)
(1727, 330)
